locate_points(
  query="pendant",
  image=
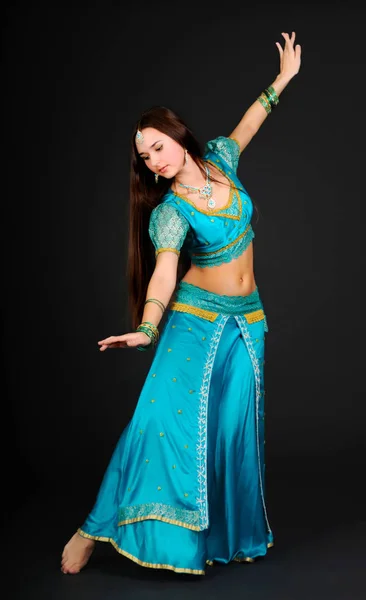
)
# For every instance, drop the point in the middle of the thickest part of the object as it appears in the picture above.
(211, 203)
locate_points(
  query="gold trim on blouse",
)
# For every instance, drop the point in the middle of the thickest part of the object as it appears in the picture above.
(215, 211)
(159, 250)
(224, 247)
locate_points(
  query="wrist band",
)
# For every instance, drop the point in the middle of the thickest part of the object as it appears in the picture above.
(272, 96)
(158, 302)
(265, 103)
(269, 99)
(151, 331)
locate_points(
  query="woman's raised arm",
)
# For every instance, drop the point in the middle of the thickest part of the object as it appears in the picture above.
(290, 60)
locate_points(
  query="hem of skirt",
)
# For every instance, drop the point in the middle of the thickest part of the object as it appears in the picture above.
(247, 559)
(137, 560)
(159, 518)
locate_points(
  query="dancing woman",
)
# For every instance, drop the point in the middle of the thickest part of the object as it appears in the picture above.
(185, 486)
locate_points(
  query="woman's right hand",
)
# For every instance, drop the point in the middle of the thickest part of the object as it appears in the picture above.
(125, 341)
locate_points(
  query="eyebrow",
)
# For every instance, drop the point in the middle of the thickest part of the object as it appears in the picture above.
(140, 153)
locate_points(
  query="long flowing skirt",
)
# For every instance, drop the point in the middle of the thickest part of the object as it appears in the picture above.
(185, 486)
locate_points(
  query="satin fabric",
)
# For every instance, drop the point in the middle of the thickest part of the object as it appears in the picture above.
(185, 484)
(219, 235)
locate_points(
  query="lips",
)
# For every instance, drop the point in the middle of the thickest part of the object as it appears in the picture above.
(163, 169)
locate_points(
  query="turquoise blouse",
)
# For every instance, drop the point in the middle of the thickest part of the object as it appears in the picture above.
(211, 237)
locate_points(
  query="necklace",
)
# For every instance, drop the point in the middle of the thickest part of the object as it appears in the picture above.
(204, 192)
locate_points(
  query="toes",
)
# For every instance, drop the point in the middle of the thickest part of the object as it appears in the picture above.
(74, 569)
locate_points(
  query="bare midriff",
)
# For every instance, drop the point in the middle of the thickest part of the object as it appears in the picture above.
(235, 278)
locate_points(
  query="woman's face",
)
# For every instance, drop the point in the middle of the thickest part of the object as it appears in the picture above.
(162, 154)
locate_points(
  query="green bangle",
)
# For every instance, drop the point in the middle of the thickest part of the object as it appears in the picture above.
(265, 103)
(151, 331)
(148, 346)
(152, 334)
(274, 98)
(155, 301)
(146, 326)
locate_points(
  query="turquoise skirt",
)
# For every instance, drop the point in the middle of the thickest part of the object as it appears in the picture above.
(185, 485)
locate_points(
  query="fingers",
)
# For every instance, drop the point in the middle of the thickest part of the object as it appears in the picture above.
(123, 341)
(280, 49)
(111, 339)
(289, 41)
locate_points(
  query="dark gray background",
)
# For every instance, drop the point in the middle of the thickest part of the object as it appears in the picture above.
(77, 79)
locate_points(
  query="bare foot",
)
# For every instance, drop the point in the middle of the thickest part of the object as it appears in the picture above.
(76, 553)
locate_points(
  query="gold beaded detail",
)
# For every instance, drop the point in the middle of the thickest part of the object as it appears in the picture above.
(194, 310)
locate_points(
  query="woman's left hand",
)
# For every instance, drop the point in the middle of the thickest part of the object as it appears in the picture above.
(290, 57)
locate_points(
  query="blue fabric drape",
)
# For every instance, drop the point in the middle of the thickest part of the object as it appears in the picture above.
(186, 483)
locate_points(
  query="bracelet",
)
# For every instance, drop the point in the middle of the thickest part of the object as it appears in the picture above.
(158, 302)
(151, 331)
(270, 92)
(265, 103)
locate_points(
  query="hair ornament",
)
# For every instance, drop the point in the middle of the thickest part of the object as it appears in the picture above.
(139, 137)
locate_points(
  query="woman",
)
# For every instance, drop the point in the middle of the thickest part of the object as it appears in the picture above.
(185, 485)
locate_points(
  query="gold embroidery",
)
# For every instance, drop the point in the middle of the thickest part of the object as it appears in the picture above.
(160, 250)
(254, 317)
(193, 310)
(233, 189)
(210, 212)
(224, 247)
(137, 560)
(158, 518)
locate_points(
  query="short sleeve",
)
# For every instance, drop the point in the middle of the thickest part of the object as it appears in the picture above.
(167, 229)
(227, 148)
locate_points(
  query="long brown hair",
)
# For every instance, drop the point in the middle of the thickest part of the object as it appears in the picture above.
(145, 195)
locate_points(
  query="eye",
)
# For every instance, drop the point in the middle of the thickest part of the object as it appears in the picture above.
(145, 157)
(158, 149)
